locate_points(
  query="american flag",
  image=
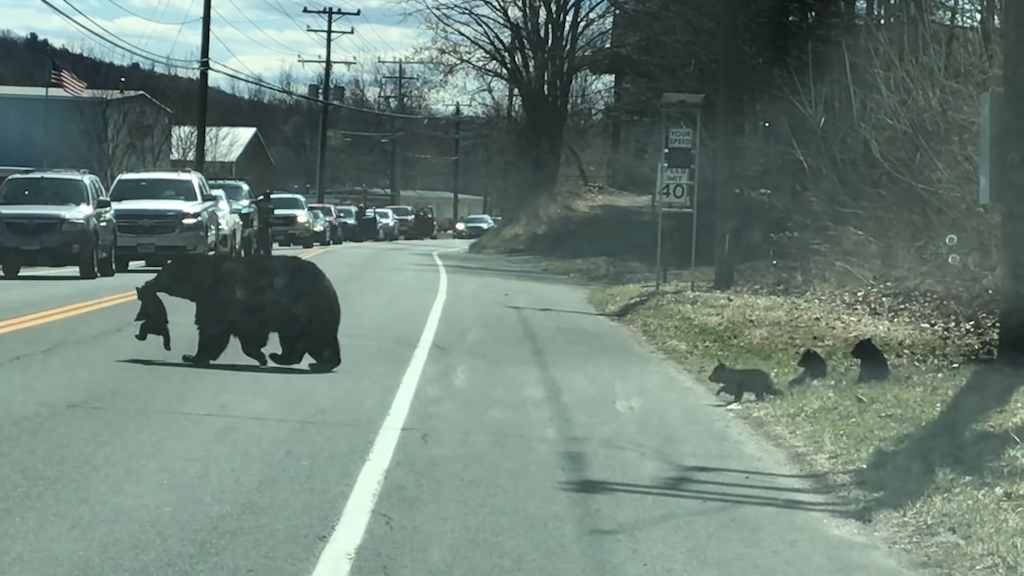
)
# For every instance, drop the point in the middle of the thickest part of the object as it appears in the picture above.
(65, 79)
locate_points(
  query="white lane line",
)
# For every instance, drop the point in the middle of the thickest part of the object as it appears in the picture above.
(339, 554)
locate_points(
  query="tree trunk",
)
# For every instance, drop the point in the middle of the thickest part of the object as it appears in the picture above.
(540, 151)
(1011, 317)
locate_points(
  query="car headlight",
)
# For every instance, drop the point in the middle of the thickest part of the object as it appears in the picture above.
(460, 226)
(302, 218)
(74, 224)
(190, 221)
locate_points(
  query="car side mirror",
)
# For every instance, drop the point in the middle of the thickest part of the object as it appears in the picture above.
(209, 198)
(103, 203)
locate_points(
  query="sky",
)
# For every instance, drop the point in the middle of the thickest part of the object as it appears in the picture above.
(248, 36)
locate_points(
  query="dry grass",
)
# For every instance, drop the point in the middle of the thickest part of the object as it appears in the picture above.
(934, 454)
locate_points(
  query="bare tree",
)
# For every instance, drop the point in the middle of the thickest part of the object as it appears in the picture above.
(538, 47)
(126, 132)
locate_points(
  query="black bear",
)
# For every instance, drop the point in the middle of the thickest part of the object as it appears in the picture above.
(251, 297)
(738, 381)
(153, 315)
(873, 365)
(814, 368)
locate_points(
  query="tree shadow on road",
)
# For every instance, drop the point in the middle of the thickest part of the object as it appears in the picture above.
(905, 474)
(709, 490)
(245, 368)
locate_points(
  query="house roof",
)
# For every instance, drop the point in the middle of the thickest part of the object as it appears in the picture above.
(223, 143)
(58, 94)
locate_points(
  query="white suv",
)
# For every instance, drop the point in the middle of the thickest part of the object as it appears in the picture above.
(161, 214)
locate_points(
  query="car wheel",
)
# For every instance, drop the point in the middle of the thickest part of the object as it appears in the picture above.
(11, 270)
(122, 264)
(108, 265)
(88, 266)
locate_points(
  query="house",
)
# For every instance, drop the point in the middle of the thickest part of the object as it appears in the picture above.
(231, 152)
(105, 131)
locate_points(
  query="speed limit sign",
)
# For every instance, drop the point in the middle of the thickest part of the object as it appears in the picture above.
(674, 189)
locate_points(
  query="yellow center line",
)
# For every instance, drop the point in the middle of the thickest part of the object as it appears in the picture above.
(64, 312)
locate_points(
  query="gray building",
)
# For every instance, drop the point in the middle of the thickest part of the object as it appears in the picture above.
(105, 131)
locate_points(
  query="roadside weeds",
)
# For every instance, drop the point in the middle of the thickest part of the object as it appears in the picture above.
(933, 457)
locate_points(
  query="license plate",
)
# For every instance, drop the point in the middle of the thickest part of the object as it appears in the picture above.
(147, 248)
(31, 246)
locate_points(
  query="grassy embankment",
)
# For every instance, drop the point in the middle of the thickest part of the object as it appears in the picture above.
(933, 457)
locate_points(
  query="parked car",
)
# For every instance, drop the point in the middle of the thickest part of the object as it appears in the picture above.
(321, 228)
(474, 226)
(387, 224)
(333, 221)
(291, 223)
(405, 216)
(57, 218)
(161, 214)
(349, 229)
(229, 231)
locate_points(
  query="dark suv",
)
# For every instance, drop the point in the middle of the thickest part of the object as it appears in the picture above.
(56, 218)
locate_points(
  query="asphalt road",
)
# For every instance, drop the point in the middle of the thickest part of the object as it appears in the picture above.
(520, 434)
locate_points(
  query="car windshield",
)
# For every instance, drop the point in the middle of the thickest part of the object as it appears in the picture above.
(478, 220)
(318, 216)
(153, 189)
(287, 203)
(346, 213)
(43, 192)
(325, 210)
(402, 210)
(381, 215)
(234, 192)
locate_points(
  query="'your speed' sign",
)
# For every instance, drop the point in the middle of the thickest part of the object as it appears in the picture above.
(680, 138)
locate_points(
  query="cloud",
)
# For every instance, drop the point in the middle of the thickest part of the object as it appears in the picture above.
(249, 36)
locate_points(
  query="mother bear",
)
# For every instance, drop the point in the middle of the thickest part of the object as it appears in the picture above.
(251, 297)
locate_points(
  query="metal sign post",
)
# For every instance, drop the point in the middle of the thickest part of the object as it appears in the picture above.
(678, 170)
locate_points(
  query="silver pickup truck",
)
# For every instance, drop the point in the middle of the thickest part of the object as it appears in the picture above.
(161, 214)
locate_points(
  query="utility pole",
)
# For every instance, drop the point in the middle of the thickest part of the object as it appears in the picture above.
(728, 114)
(1011, 314)
(458, 150)
(325, 90)
(396, 190)
(199, 162)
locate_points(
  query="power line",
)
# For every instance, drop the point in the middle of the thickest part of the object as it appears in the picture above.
(108, 32)
(242, 77)
(325, 91)
(103, 38)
